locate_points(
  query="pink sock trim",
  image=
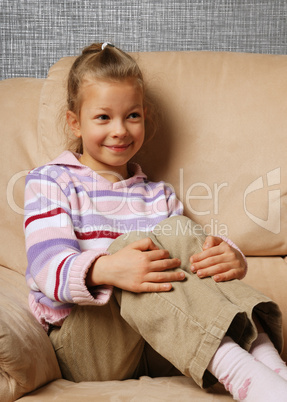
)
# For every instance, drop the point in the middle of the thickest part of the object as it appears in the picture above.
(243, 391)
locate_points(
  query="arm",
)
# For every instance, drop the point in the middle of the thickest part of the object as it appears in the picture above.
(66, 273)
(220, 258)
(138, 267)
(57, 267)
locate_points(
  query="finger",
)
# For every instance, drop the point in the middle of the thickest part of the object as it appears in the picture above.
(211, 271)
(211, 241)
(222, 272)
(223, 260)
(143, 244)
(222, 250)
(158, 254)
(164, 264)
(205, 257)
(165, 277)
(154, 287)
(229, 275)
(160, 282)
(215, 250)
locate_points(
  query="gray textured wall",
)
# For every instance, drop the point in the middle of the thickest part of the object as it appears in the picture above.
(36, 33)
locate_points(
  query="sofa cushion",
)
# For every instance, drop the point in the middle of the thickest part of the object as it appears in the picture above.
(269, 276)
(220, 141)
(27, 358)
(145, 389)
(19, 98)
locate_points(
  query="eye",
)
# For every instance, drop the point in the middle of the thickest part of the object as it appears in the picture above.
(134, 115)
(102, 117)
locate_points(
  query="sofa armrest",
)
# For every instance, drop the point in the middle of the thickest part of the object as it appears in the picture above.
(269, 276)
(27, 358)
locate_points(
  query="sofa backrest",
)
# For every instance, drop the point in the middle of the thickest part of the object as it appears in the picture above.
(221, 142)
(19, 99)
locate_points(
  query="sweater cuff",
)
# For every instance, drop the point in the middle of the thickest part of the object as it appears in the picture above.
(98, 295)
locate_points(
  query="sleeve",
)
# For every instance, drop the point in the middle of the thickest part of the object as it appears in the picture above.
(175, 206)
(57, 267)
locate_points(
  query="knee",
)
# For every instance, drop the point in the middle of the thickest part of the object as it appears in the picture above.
(181, 226)
(180, 236)
(125, 239)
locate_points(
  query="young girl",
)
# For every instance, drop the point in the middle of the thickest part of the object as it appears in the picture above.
(112, 262)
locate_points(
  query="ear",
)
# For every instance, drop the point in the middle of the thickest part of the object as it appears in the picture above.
(73, 122)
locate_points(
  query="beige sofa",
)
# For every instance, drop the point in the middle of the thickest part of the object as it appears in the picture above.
(221, 143)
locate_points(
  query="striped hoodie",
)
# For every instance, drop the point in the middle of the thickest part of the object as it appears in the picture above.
(72, 215)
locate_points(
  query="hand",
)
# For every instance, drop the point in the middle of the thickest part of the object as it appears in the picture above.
(138, 267)
(219, 260)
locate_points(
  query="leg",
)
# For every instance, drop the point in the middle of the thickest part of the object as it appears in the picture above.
(113, 350)
(264, 351)
(192, 319)
(96, 344)
(154, 365)
(246, 378)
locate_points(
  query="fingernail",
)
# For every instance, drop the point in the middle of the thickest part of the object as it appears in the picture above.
(192, 268)
(182, 275)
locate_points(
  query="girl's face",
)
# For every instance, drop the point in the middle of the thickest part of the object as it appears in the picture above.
(111, 125)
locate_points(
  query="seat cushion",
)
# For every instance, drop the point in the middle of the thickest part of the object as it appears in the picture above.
(27, 358)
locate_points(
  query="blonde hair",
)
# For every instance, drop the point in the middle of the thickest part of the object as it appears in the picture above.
(96, 63)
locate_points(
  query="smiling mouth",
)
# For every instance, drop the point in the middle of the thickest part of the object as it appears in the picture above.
(118, 148)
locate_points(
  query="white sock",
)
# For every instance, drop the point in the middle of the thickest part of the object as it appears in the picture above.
(244, 377)
(264, 351)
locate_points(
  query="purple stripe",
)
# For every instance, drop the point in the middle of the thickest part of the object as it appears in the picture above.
(101, 222)
(93, 192)
(38, 205)
(133, 195)
(42, 299)
(39, 176)
(64, 276)
(39, 254)
(71, 188)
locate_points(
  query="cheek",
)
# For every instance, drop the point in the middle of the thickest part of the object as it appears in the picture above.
(93, 132)
(140, 131)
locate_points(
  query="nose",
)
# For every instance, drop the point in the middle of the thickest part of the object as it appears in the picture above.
(119, 129)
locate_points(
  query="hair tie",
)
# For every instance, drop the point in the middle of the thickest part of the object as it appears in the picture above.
(105, 44)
